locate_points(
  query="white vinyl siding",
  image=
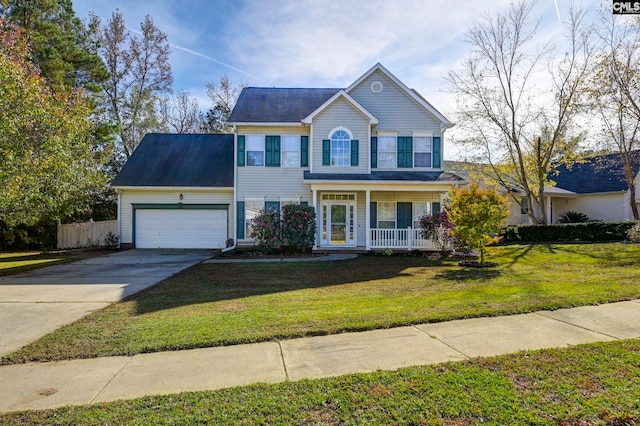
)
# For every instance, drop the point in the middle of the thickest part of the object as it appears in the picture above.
(340, 114)
(290, 151)
(180, 228)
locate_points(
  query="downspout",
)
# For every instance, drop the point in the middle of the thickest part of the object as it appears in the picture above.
(234, 228)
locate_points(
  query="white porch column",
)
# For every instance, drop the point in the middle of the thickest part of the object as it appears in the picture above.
(367, 216)
(314, 203)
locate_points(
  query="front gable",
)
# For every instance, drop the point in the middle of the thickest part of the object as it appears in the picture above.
(396, 107)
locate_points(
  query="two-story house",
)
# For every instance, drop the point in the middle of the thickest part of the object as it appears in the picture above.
(367, 157)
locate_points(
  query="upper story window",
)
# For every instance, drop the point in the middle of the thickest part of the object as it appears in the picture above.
(340, 148)
(255, 150)
(387, 151)
(422, 150)
(290, 151)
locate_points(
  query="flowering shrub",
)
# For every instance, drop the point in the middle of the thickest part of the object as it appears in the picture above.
(296, 231)
(438, 228)
(267, 231)
(298, 227)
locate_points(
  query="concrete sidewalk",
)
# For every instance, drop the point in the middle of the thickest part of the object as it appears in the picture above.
(49, 385)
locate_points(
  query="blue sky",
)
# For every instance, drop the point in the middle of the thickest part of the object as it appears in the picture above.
(317, 43)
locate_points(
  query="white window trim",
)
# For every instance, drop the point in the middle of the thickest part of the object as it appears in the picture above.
(330, 137)
(416, 218)
(387, 133)
(415, 152)
(246, 148)
(246, 202)
(282, 151)
(395, 214)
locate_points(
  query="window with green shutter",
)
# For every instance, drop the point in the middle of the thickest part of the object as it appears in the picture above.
(354, 152)
(437, 152)
(374, 152)
(405, 151)
(435, 209)
(404, 215)
(240, 220)
(272, 206)
(241, 150)
(373, 220)
(304, 151)
(326, 152)
(272, 151)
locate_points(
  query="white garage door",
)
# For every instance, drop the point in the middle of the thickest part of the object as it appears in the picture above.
(181, 228)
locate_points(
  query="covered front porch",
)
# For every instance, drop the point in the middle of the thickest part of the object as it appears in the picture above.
(366, 217)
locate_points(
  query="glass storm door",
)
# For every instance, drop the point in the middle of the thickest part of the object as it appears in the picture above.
(338, 223)
(338, 220)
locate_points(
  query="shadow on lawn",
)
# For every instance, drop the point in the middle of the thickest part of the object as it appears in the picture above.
(49, 258)
(219, 282)
(469, 274)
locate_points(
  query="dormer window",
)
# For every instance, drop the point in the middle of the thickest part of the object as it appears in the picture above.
(340, 148)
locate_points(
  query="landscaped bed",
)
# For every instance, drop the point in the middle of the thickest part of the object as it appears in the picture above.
(222, 304)
(582, 385)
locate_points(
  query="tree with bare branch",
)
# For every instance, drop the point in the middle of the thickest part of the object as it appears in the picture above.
(615, 91)
(224, 96)
(518, 128)
(139, 75)
(181, 114)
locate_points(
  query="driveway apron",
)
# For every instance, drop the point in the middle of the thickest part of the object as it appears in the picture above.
(37, 302)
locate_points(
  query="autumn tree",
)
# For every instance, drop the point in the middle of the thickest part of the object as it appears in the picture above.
(521, 130)
(48, 166)
(615, 91)
(181, 114)
(61, 46)
(224, 96)
(139, 76)
(477, 215)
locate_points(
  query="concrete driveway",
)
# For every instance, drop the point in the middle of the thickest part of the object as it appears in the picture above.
(35, 303)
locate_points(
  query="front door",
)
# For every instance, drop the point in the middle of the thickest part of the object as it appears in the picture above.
(338, 223)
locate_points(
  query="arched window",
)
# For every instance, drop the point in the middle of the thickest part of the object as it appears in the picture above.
(340, 148)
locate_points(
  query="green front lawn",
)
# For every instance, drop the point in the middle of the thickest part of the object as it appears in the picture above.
(15, 262)
(223, 304)
(582, 385)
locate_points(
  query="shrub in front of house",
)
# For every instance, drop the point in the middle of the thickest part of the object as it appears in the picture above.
(298, 227)
(294, 232)
(633, 234)
(267, 231)
(590, 231)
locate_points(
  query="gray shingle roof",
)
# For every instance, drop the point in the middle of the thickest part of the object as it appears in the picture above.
(391, 175)
(198, 160)
(601, 173)
(277, 105)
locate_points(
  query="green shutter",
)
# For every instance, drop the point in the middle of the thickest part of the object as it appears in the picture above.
(241, 150)
(354, 152)
(326, 152)
(272, 151)
(405, 151)
(240, 220)
(272, 206)
(373, 220)
(437, 152)
(304, 151)
(374, 152)
(404, 215)
(435, 209)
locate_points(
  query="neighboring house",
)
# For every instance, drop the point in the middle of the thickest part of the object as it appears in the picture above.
(595, 186)
(368, 158)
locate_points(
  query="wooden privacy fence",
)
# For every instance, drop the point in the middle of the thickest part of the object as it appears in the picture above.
(87, 234)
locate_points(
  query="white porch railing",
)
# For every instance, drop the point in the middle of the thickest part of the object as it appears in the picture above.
(409, 239)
